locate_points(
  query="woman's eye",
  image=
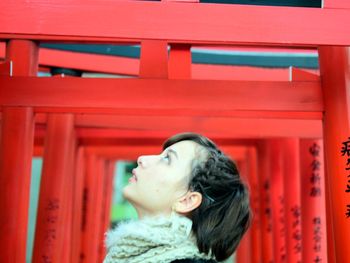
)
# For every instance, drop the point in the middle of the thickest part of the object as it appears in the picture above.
(166, 158)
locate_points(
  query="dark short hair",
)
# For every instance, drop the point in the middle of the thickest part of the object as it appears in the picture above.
(224, 215)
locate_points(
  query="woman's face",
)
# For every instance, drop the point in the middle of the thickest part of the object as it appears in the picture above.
(160, 180)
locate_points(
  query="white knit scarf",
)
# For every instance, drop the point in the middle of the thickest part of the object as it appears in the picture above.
(151, 240)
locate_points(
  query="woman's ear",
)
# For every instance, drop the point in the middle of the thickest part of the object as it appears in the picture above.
(188, 203)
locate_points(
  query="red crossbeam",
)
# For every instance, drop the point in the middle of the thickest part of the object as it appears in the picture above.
(130, 96)
(189, 23)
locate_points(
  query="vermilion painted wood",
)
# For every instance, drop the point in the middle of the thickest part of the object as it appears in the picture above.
(256, 253)
(69, 195)
(303, 75)
(139, 20)
(143, 94)
(130, 66)
(137, 137)
(16, 149)
(180, 61)
(92, 208)
(248, 128)
(78, 193)
(264, 163)
(277, 201)
(102, 173)
(15, 169)
(6, 68)
(313, 202)
(291, 175)
(107, 201)
(89, 62)
(336, 4)
(154, 59)
(24, 57)
(243, 252)
(335, 72)
(53, 210)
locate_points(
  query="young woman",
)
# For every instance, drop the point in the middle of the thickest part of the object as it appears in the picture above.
(191, 202)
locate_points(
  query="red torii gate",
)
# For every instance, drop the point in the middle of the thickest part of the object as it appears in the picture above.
(296, 104)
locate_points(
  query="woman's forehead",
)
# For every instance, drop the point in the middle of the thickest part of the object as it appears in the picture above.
(188, 150)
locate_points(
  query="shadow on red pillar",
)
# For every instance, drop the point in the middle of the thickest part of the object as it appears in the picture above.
(265, 202)
(53, 221)
(16, 149)
(277, 201)
(15, 170)
(78, 187)
(243, 252)
(291, 174)
(255, 242)
(313, 202)
(335, 75)
(180, 61)
(92, 209)
(106, 204)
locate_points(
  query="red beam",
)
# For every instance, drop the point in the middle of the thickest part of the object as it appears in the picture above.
(130, 66)
(140, 95)
(249, 127)
(198, 23)
(227, 127)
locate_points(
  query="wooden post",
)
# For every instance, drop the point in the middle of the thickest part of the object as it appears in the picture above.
(244, 252)
(92, 209)
(313, 201)
(106, 203)
(54, 214)
(335, 75)
(78, 188)
(277, 200)
(291, 175)
(180, 62)
(154, 59)
(255, 205)
(16, 149)
(267, 241)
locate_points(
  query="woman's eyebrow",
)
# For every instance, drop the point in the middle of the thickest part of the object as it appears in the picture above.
(173, 152)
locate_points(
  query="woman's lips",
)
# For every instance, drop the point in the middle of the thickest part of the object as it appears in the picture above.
(133, 178)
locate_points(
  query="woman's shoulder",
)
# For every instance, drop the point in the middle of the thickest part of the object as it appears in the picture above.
(189, 260)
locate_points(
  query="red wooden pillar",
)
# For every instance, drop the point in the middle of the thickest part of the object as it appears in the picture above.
(267, 246)
(92, 209)
(255, 242)
(54, 214)
(277, 201)
(243, 254)
(17, 138)
(291, 174)
(313, 202)
(106, 204)
(77, 207)
(180, 61)
(335, 75)
(154, 59)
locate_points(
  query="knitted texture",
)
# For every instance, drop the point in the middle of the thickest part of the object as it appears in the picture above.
(152, 240)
